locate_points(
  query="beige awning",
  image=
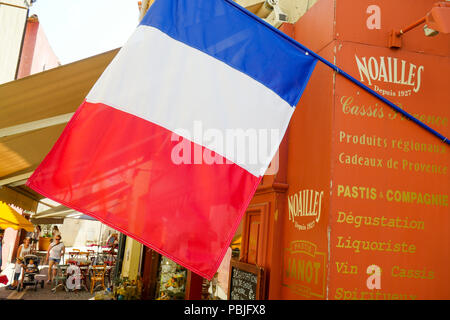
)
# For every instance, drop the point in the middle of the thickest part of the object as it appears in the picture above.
(34, 111)
(59, 212)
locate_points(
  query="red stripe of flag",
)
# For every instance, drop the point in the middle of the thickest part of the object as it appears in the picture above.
(117, 168)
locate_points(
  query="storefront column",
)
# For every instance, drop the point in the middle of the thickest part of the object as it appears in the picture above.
(193, 286)
(130, 266)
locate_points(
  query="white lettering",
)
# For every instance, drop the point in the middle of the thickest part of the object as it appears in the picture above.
(394, 71)
(374, 20)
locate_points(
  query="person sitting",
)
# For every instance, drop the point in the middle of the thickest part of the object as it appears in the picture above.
(112, 241)
(31, 267)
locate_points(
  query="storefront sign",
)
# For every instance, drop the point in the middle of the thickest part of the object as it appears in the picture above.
(305, 207)
(304, 269)
(385, 179)
(391, 178)
(382, 72)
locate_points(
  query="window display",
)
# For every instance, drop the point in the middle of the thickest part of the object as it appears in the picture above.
(171, 280)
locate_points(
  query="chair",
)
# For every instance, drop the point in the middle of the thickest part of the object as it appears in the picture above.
(84, 255)
(111, 272)
(100, 258)
(91, 255)
(98, 275)
(74, 254)
(61, 275)
(84, 274)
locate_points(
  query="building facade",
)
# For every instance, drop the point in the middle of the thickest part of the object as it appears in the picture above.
(13, 18)
(359, 206)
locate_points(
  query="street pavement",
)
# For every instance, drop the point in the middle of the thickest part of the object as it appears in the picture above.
(42, 293)
(45, 293)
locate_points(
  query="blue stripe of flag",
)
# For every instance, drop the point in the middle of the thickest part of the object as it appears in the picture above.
(237, 38)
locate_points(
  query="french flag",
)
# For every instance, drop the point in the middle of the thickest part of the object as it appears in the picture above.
(129, 156)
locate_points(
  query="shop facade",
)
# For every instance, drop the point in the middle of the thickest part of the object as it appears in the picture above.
(358, 205)
(358, 208)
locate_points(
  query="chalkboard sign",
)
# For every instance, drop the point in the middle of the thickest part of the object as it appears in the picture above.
(245, 281)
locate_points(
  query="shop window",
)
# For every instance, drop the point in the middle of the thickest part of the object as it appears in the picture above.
(171, 284)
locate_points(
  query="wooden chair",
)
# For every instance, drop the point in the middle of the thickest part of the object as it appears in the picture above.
(98, 275)
(91, 255)
(74, 254)
(84, 256)
(109, 275)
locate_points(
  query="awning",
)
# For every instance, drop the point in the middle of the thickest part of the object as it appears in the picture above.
(9, 218)
(34, 110)
(58, 213)
(47, 220)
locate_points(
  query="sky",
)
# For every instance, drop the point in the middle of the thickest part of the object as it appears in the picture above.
(77, 29)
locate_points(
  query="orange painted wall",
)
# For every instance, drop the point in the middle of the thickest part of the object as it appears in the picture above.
(352, 151)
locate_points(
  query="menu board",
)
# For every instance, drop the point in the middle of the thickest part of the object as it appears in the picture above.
(245, 282)
(390, 208)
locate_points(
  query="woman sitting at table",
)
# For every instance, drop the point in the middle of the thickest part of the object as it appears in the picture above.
(112, 241)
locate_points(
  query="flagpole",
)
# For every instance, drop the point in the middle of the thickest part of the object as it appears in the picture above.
(343, 73)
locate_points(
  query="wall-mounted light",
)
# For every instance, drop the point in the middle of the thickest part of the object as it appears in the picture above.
(437, 20)
(270, 6)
